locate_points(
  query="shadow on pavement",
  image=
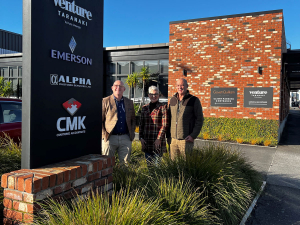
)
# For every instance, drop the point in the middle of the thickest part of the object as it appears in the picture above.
(277, 206)
(291, 132)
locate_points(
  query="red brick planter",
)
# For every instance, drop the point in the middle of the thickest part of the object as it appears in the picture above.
(24, 188)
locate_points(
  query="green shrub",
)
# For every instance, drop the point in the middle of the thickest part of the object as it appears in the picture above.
(136, 108)
(246, 129)
(10, 160)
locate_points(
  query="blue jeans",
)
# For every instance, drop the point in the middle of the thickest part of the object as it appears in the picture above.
(152, 158)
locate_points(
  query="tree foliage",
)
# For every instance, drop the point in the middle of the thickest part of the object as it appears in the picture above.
(5, 87)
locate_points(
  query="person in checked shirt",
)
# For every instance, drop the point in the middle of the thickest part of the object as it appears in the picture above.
(153, 126)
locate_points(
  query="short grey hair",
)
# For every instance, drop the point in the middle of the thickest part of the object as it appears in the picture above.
(184, 81)
(153, 88)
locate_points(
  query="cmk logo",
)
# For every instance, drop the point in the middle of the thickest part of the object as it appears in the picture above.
(72, 106)
(71, 123)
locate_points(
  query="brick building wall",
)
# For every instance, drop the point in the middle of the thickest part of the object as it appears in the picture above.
(226, 52)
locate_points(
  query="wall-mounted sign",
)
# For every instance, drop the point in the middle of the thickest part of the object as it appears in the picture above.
(223, 97)
(258, 97)
(63, 41)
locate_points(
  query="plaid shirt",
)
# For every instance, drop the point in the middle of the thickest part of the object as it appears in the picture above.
(153, 125)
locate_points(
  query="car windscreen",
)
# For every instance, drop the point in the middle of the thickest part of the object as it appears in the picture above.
(11, 112)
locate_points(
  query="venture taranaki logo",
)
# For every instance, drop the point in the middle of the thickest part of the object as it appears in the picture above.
(70, 57)
(72, 12)
(71, 125)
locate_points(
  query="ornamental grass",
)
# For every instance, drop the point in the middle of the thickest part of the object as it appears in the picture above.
(228, 181)
(213, 185)
(122, 208)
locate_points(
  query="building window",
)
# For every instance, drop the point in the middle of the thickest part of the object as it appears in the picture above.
(20, 71)
(120, 70)
(163, 66)
(123, 68)
(126, 92)
(137, 66)
(163, 87)
(4, 72)
(13, 71)
(152, 65)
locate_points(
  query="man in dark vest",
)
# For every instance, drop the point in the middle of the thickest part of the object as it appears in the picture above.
(186, 120)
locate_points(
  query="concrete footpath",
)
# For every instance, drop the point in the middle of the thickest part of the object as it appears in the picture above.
(279, 204)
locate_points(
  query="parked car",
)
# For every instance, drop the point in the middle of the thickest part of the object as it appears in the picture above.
(11, 118)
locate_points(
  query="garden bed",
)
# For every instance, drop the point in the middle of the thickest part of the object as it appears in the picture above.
(214, 185)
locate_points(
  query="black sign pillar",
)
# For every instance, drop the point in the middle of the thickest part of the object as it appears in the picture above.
(62, 80)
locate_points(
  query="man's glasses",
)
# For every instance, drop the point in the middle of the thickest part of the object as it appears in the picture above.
(119, 86)
(153, 95)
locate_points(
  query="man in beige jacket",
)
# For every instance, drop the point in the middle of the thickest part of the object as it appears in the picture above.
(118, 123)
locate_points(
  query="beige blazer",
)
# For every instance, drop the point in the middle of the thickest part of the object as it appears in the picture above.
(110, 116)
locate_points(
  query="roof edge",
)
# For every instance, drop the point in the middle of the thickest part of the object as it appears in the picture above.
(10, 55)
(6, 31)
(227, 16)
(136, 46)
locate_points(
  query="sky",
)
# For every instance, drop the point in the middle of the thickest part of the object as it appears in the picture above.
(135, 22)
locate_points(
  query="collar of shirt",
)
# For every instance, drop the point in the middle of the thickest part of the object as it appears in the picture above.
(117, 100)
(120, 102)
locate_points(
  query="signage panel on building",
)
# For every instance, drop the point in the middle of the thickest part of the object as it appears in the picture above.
(223, 97)
(258, 97)
(62, 85)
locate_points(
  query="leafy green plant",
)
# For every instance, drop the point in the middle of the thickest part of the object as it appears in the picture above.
(144, 75)
(10, 160)
(135, 81)
(129, 81)
(5, 87)
(136, 108)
